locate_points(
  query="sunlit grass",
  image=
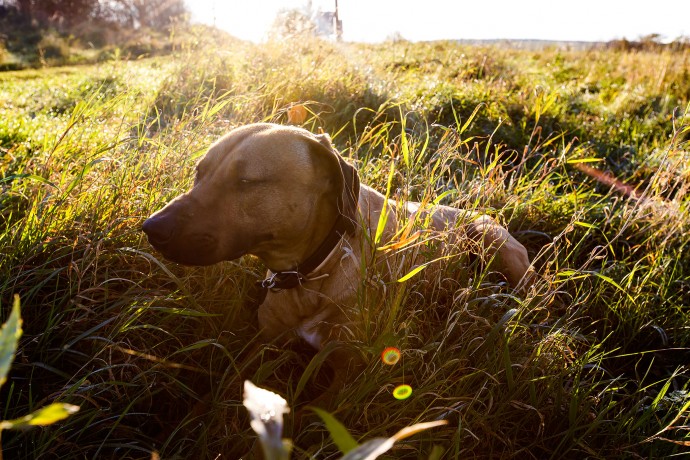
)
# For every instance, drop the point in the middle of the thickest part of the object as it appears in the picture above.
(590, 361)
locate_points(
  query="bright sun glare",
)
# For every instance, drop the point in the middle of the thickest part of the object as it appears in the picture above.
(375, 20)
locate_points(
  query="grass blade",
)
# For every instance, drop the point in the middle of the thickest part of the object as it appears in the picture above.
(342, 438)
(10, 333)
(44, 416)
(379, 446)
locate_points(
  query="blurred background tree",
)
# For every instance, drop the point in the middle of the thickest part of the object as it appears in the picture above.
(55, 32)
(293, 23)
(67, 14)
(134, 14)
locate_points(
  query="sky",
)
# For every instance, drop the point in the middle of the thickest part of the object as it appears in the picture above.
(417, 20)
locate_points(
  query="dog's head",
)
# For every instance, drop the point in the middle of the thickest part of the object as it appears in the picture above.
(263, 189)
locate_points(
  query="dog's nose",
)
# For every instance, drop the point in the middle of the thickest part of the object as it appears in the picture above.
(158, 230)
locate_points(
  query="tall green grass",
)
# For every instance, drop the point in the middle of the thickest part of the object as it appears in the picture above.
(591, 361)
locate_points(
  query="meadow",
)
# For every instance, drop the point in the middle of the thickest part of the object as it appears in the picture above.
(583, 154)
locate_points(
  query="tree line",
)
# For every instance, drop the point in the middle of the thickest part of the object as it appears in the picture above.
(65, 15)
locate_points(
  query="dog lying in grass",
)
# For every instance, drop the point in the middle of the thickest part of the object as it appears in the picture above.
(286, 196)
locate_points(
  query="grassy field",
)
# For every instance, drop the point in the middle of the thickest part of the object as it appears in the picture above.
(593, 362)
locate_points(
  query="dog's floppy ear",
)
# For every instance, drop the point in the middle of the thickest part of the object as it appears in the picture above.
(350, 194)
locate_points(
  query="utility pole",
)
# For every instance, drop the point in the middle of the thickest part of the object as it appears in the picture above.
(337, 24)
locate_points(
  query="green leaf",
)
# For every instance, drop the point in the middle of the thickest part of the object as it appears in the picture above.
(315, 363)
(584, 160)
(585, 225)
(45, 416)
(421, 267)
(221, 102)
(436, 453)
(9, 336)
(469, 120)
(342, 438)
(383, 217)
(443, 195)
(412, 272)
(405, 147)
(35, 177)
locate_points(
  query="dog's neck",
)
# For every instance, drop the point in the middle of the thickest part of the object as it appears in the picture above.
(288, 279)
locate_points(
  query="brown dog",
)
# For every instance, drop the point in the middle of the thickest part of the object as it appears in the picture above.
(286, 196)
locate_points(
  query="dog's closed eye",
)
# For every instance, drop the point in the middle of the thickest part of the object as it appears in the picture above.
(249, 181)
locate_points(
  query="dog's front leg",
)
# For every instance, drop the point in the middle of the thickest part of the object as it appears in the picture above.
(346, 364)
(324, 327)
(330, 331)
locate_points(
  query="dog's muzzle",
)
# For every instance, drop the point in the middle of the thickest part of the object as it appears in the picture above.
(159, 230)
(168, 236)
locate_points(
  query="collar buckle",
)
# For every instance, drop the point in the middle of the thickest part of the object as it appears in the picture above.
(283, 280)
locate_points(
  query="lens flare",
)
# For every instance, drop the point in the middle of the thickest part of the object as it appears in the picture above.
(390, 355)
(402, 392)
